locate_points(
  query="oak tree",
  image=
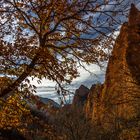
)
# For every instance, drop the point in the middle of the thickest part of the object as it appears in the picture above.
(51, 38)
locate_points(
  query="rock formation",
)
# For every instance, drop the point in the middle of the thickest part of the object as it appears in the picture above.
(93, 101)
(81, 95)
(133, 50)
(117, 106)
(122, 76)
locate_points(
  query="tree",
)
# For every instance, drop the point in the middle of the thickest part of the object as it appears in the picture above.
(50, 38)
(72, 123)
(15, 118)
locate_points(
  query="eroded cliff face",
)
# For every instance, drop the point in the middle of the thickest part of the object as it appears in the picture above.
(118, 105)
(121, 90)
(122, 76)
(80, 96)
(93, 102)
(133, 50)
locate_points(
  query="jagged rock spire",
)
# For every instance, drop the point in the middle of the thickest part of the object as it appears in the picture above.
(81, 95)
(133, 50)
(119, 100)
(133, 15)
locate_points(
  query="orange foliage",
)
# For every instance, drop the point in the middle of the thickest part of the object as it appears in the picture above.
(14, 114)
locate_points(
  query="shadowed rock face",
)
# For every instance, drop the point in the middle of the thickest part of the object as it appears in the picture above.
(133, 50)
(93, 100)
(81, 95)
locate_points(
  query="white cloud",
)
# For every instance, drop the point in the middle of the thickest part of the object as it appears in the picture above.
(47, 88)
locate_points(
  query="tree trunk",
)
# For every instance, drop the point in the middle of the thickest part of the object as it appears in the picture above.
(9, 90)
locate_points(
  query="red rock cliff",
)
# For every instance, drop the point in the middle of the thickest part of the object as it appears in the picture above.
(119, 103)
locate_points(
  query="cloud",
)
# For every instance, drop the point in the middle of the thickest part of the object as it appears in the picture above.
(47, 88)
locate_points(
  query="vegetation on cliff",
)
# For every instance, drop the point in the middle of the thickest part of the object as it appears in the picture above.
(51, 39)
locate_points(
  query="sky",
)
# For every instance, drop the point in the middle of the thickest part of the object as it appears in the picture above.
(47, 88)
(96, 75)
